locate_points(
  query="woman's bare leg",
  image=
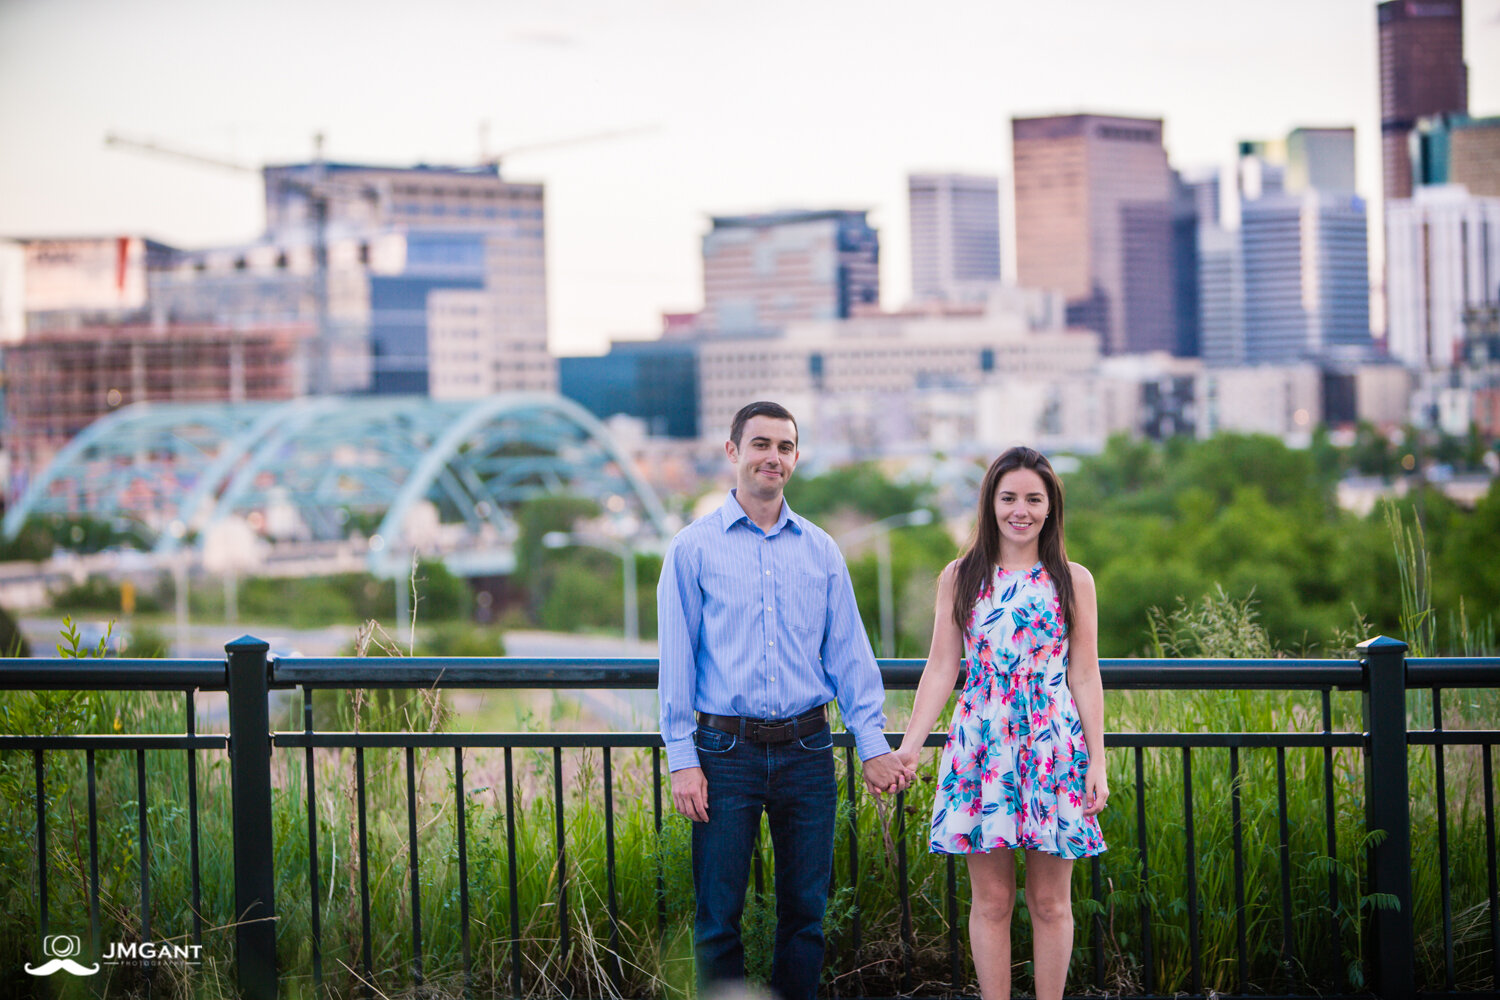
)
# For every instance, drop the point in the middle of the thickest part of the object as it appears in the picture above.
(1049, 900)
(992, 878)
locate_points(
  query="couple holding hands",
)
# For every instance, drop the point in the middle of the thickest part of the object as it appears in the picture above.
(759, 631)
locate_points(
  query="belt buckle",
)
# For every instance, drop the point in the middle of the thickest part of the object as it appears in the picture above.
(774, 733)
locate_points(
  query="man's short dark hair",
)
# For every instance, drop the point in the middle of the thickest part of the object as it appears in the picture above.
(763, 408)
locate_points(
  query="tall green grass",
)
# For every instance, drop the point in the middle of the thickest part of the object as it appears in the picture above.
(655, 965)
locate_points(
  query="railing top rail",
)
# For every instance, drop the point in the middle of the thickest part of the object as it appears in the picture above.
(65, 674)
(1453, 671)
(56, 673)
(465, 672)
(640, 672)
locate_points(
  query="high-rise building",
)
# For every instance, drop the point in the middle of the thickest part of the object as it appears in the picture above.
(1320, 159)
(1456, 149)
(391, 239)
(1094, 220)
(955, 236)
(1306, 283)
(1422, 72)
(1443, 258)
(761, 272)
(1221, 297)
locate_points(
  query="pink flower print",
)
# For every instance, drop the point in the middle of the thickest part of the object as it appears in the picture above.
(1074, 799)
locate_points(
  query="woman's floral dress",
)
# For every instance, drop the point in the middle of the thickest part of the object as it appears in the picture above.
(1014, 765)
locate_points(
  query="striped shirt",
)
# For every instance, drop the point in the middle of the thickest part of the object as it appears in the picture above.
(761, 624)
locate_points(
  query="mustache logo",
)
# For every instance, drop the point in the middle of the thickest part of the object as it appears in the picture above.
(61, 965)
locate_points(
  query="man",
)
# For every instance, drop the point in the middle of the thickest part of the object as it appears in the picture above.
(759, 631)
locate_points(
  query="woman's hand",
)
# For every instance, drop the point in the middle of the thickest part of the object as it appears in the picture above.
(1095, 789)
(909, 756)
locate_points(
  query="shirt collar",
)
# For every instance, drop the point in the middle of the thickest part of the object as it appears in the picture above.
(732, 513)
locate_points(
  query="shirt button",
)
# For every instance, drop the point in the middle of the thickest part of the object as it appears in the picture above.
(768, 572)
(771, 643)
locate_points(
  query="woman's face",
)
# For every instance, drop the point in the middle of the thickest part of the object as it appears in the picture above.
(1021, 506)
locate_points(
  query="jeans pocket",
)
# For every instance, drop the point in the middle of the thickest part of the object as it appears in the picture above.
(820, 740)
(713, 740)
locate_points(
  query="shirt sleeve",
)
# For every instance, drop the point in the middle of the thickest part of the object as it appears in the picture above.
(679, 609)
(850, 664)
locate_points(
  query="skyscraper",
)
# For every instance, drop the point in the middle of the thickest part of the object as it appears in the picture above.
(1456, 149)
(1306, 283)
(1422, 72)
(761, 272)
(955, 236)
(1443, 252)
(1094, 220)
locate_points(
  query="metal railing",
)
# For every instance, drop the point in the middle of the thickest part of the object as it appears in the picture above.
(1382, 676)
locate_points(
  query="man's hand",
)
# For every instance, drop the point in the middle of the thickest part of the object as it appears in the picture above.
(886, 774)
(690, 793)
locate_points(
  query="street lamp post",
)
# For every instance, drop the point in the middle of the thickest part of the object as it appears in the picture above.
(565, 539)
(881, 530)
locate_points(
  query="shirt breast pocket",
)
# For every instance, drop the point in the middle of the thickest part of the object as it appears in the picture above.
(804, 601)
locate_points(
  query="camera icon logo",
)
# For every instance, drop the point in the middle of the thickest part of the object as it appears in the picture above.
(62, 945)
(60, 949)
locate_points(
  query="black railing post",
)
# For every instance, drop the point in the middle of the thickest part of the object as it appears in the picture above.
(250, 777)
(1389, 940)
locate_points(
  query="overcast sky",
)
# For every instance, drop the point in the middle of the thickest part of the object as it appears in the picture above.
(744, 106)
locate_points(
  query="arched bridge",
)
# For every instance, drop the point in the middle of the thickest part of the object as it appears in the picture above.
(410, 473)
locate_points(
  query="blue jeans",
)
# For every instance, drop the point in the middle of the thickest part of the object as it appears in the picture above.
(794, 784)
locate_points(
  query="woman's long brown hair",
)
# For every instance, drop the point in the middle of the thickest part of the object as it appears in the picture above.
(976, 567)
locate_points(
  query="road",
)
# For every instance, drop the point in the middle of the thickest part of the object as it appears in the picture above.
(624, 711)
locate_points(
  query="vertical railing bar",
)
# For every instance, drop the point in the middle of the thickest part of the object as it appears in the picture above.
(1445, 879)
(1140, 825)
(312, 845)
(1288, 957)
(616, 971)
(562, 856)
(907, 942)
(757, 867)
(1489, 839)
(1097, 885)
(461, 818)
(1242, 945)
(855, 928)
(94, 927)
(144, 843)
(1330, 818)
(510, 860)
(191, 704)
(41, 840)
(145, 850)
(955, 960)
(367, 948)
(414, 865)
(661, 875)
(1195, 953)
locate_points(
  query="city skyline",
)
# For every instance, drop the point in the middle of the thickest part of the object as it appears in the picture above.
(743, 111)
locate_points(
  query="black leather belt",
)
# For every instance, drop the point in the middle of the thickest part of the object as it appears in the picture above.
(768, 730)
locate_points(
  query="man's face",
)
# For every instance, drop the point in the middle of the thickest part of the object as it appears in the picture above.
(765, 458)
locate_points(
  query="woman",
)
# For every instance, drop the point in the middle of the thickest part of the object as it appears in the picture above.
(1023, 767)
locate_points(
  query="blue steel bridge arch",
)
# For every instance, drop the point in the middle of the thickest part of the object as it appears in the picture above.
(179, 469)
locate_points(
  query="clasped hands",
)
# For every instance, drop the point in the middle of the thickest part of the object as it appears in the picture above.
(884, 775)
(889, 773)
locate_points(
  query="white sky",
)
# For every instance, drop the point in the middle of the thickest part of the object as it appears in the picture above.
(759, 105)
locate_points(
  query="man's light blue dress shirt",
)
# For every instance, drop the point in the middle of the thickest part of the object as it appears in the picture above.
(761, 625)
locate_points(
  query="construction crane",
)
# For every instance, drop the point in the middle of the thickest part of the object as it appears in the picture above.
(495, 160)
(318, 192)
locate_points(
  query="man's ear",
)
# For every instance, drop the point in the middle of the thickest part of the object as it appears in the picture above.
(731, 451)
